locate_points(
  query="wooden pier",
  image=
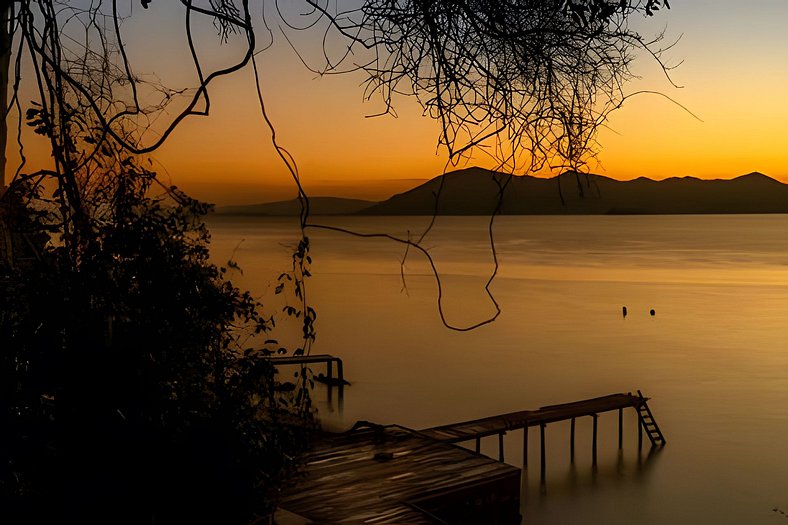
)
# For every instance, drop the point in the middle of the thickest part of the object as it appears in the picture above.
(393, 474)
(501, 424)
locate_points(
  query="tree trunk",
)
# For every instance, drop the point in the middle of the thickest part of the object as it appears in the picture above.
(5, 61)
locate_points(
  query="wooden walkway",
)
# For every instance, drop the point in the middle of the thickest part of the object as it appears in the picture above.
(499, 425)
(490, 426)
(396, 475)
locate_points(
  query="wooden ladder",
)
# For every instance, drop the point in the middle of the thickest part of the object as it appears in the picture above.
(648, 423)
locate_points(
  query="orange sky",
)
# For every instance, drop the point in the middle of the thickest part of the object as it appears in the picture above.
(735, 83)
(734, 74)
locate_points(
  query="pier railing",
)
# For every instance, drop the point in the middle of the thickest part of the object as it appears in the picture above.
(329, 360)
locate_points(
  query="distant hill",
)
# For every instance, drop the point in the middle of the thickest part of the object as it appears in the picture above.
(474, 191)
(317, 206)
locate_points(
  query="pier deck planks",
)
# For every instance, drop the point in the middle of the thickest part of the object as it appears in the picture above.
(488, 426)
(344, 483)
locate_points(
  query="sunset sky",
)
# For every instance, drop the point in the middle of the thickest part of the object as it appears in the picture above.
(734, 76)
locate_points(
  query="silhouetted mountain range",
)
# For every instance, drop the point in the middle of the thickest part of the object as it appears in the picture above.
(474, 191)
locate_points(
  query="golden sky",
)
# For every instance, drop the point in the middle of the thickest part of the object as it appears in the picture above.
(734, 76)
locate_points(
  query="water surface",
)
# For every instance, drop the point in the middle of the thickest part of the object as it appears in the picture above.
(714, 358)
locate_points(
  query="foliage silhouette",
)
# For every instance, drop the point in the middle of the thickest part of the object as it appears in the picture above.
(127, 392)
(124, 393)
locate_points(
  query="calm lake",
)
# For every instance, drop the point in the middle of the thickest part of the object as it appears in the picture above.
(714, 357)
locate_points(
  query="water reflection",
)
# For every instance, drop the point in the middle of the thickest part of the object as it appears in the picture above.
(340, 396)
(333, 380)
(578, 482)
(547, 499)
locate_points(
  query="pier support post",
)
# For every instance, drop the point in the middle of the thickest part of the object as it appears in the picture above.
(340, 370)
(640, 433)
(593, 446)
(541, 432)
(620, 428)
(525, 447)
(500, 447)
(572, 442)
(329, 372)
(478, 445)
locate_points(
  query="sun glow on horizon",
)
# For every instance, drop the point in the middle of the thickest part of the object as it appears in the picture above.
(731, 82)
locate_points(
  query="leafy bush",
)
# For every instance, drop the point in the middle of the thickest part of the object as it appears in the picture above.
(126, 397)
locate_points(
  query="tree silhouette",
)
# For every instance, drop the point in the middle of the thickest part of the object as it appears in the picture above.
(128, 387)
(123, 352)
(526, 83)
(535, 78)
(5, 56)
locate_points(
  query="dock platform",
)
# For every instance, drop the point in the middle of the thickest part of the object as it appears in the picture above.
(393, 474)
